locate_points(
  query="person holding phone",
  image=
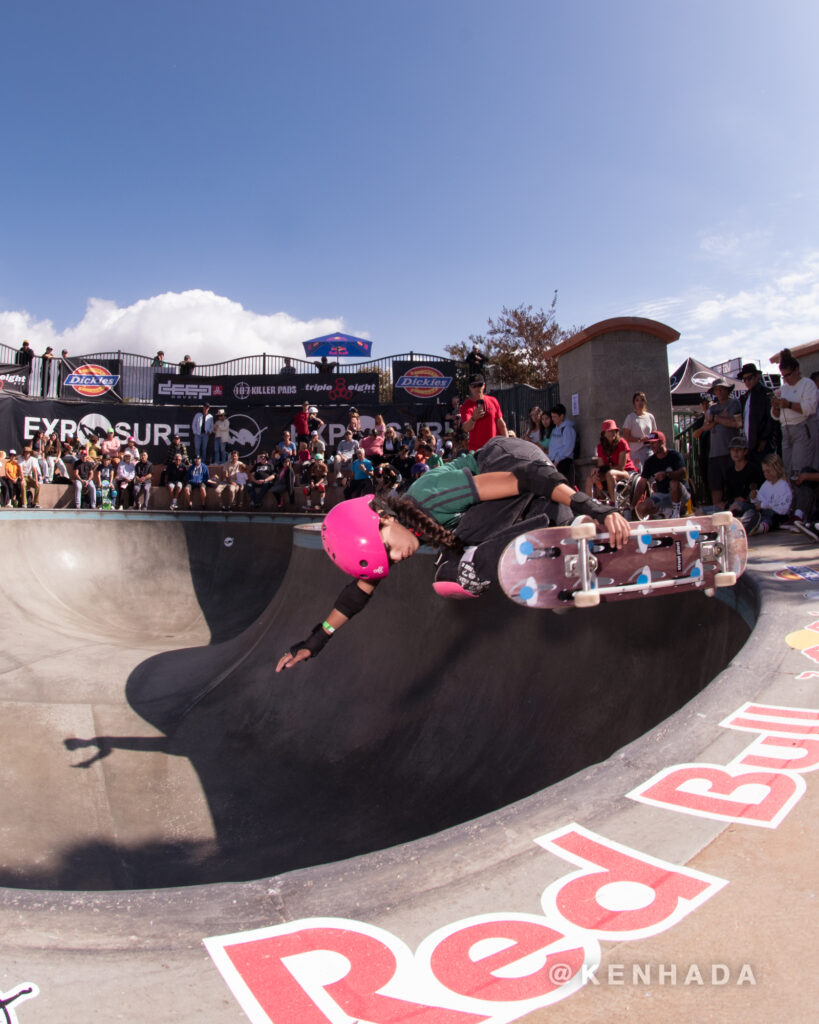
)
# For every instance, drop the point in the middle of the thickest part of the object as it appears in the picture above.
(481, 416)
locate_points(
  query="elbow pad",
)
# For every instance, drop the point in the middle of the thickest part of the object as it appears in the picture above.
(582, 505)
(351, 600)
(538, 478)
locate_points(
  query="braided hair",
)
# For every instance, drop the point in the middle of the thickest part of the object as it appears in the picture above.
(408, 514)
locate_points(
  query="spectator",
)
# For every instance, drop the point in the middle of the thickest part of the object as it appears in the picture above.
(316, 482)
(69, 458)
(722, 420)
(562, 443)
(386, 479)
(221, 437)
(143, 478)
(757, 424)
(408, 439)
(25, 354)
(111, 446)
(186, 367)
(419, 466)
(773, 500)
(743, 478)
(614, 462)
(317, 446)
(481, 415)
(373, 446)
(158, 361)
(39, 444)
(30, 479)
(287, 368)
(354, 423)
(345, 453)
(700, 432)
(303, 461)
(287, 447)
(283, 481)
(533, 428)
(131, 448)
(49, 373)
(177, 447)
(232, 490)
(202, 428)
(362, 482)
(315, 422)
(794, 407)
(105, 480)
(391, 444)
(301, 421)
(475, 361)
(452, 419)
(324, 368)
(380, 427)
(125, 474)
(637, 426)
(6, 489)
(176, 476)
(84, 479)
(262, 477)
(198, 476)
(662, 482)
(54, 463)
(14, 479)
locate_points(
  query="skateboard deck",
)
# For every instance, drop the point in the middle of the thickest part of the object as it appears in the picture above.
(565, 566)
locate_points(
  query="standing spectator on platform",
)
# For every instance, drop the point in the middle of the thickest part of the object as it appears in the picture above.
(126, 472)
(84, 479)
(481, 415)
(158, 362)
(475, 361)
(14, 479)
(202, 428)
(324, 368)
(176, 476)
(562, 442)
(198, 476)
(186, 367)
(262, 477)
(111, 446)
(721, 421)
(25, 354)
(48, 373)
(757, 425)
(794, 407)
(221, 437)
(287, 368)
(31, 478)
(637, 426)
(142, 482)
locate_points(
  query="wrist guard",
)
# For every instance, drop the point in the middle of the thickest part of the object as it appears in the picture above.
(582, 505)
(314, 643)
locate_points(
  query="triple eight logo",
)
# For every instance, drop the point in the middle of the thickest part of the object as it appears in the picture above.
(91, 380)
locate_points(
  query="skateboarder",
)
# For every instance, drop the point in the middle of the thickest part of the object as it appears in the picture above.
(470, 508)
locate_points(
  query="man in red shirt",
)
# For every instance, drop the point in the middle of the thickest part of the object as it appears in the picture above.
(481, 415)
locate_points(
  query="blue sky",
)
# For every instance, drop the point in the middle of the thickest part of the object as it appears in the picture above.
(226, 178)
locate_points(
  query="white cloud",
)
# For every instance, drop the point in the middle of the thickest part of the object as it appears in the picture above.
(208, 327)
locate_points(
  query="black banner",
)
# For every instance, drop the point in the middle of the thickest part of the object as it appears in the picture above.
(423, 382)
(15, 378)
(280, 389)
(251, 431)
(91, 380)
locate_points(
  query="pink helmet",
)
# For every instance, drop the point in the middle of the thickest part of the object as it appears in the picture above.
(352, 539)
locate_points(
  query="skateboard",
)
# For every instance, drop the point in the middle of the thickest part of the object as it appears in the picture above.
(564, 566)
(107, 495)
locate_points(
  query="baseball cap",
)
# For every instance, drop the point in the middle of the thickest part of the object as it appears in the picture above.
(740, 441)
(478, 378)
(721, 384)
(655, 435)
(12, 451)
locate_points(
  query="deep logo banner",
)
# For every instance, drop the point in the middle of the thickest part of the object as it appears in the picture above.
(273, 389)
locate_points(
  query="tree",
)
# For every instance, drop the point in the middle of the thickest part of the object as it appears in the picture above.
(517, 345)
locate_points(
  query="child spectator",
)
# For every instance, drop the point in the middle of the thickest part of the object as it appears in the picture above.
(614, 462)
(317, 483)
(14, 479)
(773, 500)
(105, 474)
(743, 478)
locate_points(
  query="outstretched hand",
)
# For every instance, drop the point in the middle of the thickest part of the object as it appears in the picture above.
(288, 660)
(618, 529)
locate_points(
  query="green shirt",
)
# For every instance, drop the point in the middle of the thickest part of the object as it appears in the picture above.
(447, 492)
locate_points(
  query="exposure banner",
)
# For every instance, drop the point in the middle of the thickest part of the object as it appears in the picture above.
(279, 389)
(251, 431)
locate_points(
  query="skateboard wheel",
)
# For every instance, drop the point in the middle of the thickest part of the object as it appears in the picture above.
(722, 518)
(583, 531)
(586, 599)
(725, 579)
